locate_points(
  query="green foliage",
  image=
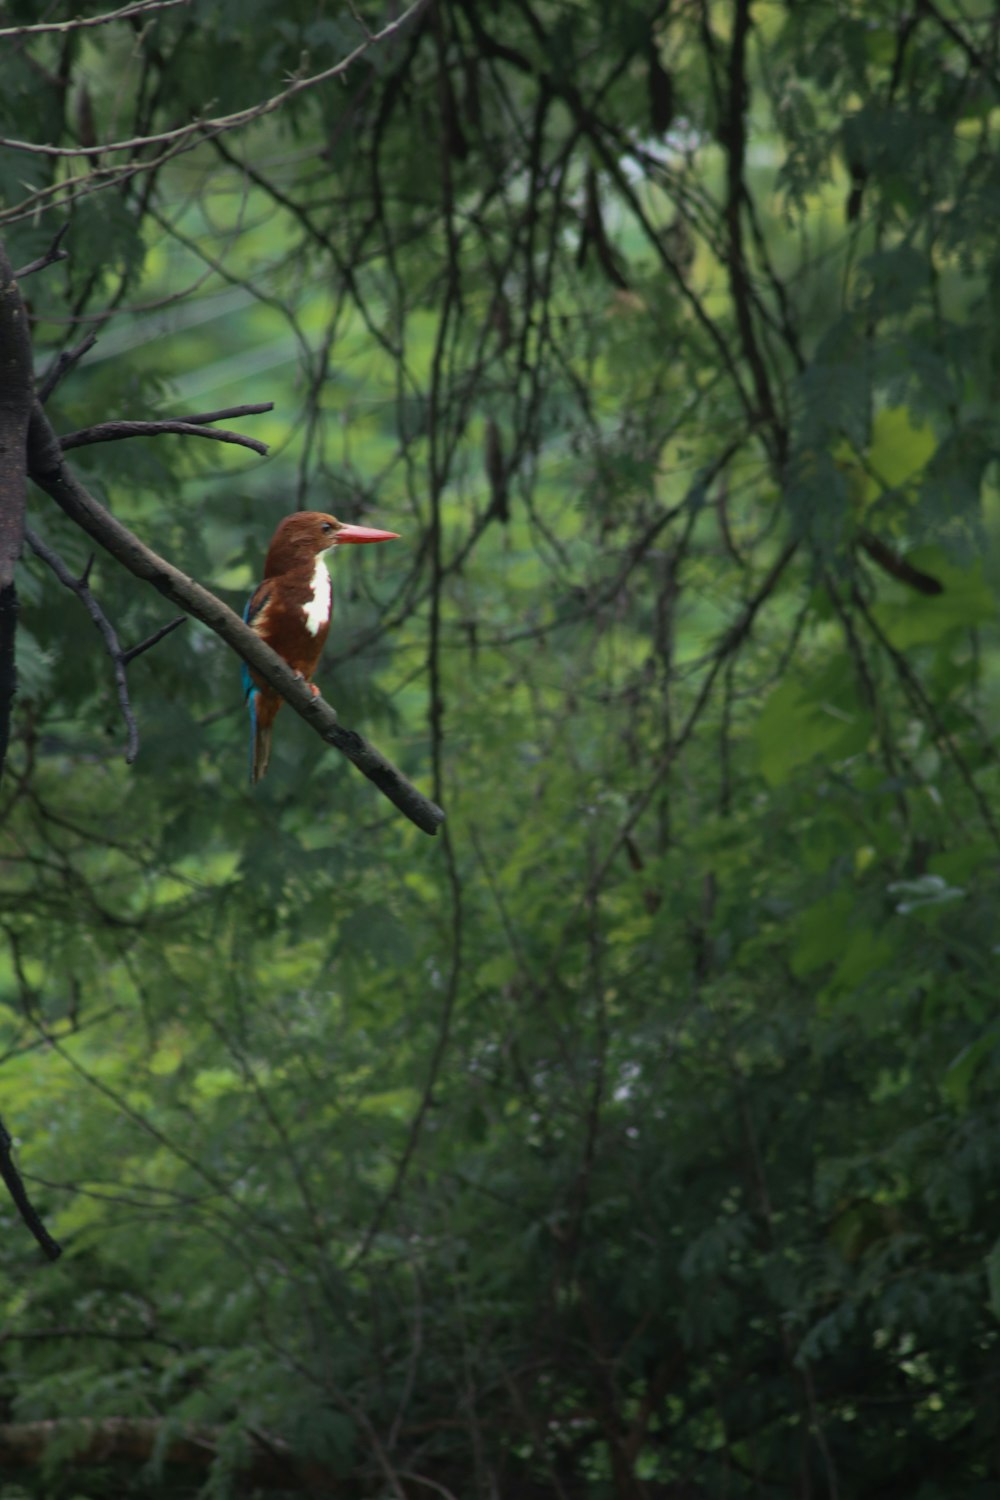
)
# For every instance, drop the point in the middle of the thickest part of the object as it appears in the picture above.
(638, 1136)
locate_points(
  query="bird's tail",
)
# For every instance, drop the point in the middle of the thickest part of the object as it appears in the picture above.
(262, 712)
(260, 751)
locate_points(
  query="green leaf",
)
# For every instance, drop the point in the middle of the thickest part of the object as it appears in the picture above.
(966, 600)
(809, 717)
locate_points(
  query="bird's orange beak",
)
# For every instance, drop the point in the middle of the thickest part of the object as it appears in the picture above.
(364, 534)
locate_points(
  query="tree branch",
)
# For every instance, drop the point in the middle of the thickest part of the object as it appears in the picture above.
(114, 432)
(733, 135)
(226, 413)
(134, 1442)
(16, 395)
(52, 254)
(125, 13)
(197, 130)
(153, 640)
(22, 1202)
(897, 566)
(176, 142)
(62, 365)
(973, 55)
(81, 589)
(49, 471)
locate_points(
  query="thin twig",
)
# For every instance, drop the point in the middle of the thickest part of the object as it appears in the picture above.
(62, 365)
(51, 255)
(22, 1202)
(366, 29)
(125, 13)
(197, 130)
(15, 418)
(116, 432)
(107, 631)
(178, 141)
(733, 137)
(153, 640)
(227, 413)
(918, 695)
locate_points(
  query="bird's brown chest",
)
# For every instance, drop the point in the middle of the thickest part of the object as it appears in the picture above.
(295, 620)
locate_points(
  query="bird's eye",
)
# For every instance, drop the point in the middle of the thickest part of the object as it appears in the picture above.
(326, 526)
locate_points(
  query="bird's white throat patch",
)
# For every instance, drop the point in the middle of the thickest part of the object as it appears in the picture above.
(317, 609)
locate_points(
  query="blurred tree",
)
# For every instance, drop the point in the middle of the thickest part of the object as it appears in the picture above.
(638, 1137)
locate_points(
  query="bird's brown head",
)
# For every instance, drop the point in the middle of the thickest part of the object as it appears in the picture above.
(299, 539)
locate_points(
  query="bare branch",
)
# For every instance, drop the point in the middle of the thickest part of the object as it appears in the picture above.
(82, 23)
(72, 189)
(22, 1202)
(226, 413)
(62, 365)
(15, 413)
(728, 645)
(81, 589)
(897, 566)
(733, 136)
(359, 18)
(135, 1441)
(50, 473)
(176, 142)
(115, 432)
(977, 60)
(945, 740)
(198, 130)
(154, 639)
(52, 254)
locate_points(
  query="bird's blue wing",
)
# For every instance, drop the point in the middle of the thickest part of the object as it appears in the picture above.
(254, 607)
(260, 597)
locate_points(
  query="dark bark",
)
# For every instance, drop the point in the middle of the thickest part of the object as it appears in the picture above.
(23, 1204)
(127, 1444)
(132, 1442)
(16, 396)
(116, 432)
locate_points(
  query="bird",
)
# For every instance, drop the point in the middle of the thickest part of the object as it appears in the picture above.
(290, 610)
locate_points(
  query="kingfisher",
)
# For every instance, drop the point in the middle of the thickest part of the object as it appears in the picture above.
(290, 610)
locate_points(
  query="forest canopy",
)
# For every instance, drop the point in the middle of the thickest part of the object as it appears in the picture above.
(637, 1134)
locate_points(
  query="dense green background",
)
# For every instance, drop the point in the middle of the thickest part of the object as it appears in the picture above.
(639, 1136)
